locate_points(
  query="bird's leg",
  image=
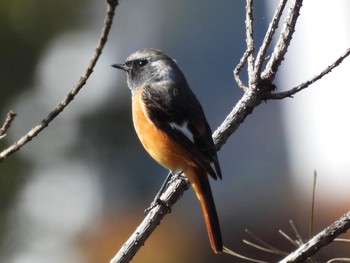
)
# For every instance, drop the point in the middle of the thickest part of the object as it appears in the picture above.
(157, 200)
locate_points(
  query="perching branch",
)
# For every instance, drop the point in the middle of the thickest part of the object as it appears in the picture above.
(112, 4)
(152, 219)
(259, 88)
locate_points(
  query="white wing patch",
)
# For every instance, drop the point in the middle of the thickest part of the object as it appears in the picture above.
(183, 129)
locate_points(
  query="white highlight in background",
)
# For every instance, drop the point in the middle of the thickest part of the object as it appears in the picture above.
(317, 120)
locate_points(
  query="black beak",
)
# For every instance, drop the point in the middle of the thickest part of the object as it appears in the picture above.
(121, 66)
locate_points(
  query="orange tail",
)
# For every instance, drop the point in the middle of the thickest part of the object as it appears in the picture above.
(200, 183)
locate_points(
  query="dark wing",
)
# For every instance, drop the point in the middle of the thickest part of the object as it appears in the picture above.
(169, 108)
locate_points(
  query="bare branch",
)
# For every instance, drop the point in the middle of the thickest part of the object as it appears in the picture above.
(283, 41)
(344, 240)
(304, 85)
(248, 54)
(288, 238)
(338, 260)
(260, 58)
(152, 220)
(237, 255)
(249, 35)
(9, 118)
(264, 245)
(312, 210)
(317, 242)
(239, 67)
(112, 4)
(236, 117)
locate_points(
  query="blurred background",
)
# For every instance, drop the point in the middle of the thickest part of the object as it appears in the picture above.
(78, 190)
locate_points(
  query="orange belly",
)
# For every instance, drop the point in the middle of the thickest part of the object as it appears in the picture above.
(156, 142)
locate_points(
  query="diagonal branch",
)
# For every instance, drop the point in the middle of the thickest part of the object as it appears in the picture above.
(236, 117)
(320, 240)
(177, 186)
(304, 85)
(112, 4)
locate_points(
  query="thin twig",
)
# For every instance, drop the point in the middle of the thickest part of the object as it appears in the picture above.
(311, 223)
(235, 254)
(325, 237)
(248, 54)
(262, 248)
(239, 67)
(112, 4)
(299, 239)
(7, 123)
(338, 260)
(271, 248)
(291, 240)
(345, 240)
(304, 85)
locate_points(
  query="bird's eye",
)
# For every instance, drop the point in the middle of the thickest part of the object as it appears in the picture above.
(142, 62)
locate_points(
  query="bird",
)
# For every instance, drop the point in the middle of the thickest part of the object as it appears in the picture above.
(172, 127)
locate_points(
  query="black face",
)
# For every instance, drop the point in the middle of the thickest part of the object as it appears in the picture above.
(135, 68)
(137, 63)
(138, 71)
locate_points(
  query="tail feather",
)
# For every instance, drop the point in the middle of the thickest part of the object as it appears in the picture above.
(200, 183)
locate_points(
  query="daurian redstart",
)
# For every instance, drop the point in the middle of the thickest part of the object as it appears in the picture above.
(163, 106)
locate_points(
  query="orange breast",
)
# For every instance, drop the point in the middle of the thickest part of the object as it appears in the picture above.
(156, 142)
